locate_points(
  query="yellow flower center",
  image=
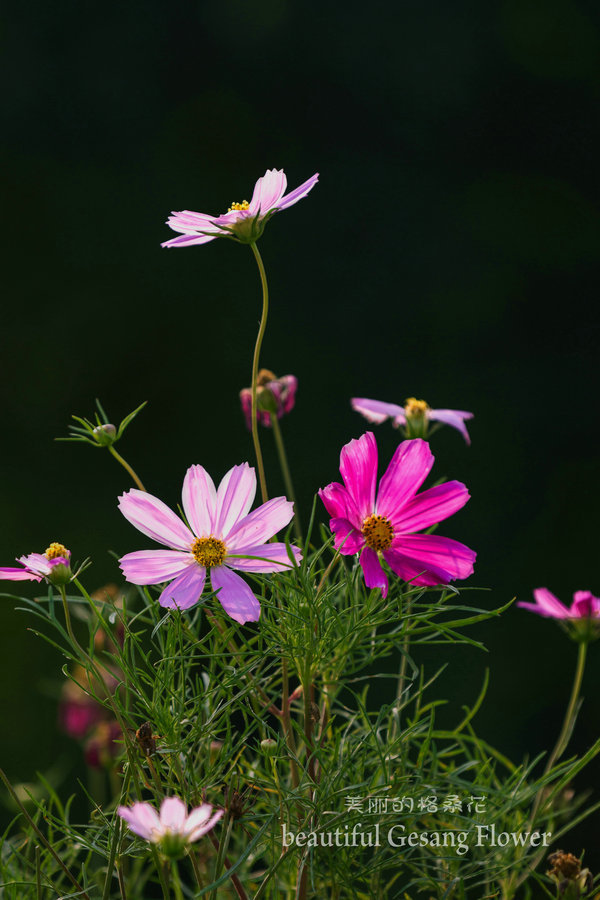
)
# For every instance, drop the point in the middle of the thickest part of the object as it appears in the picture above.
(377, 532)
(55, 549)
(416, 409)
(235, 207)
(209, 552)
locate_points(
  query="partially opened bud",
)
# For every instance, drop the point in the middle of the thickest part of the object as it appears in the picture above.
(274, 396)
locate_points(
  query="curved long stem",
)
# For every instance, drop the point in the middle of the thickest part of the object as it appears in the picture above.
(127, 467)
(259, 340)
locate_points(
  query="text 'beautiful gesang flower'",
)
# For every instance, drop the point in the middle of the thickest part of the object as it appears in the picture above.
(53, 565)
(173, 829)
(274, 395)
(243, 221)
(383, 523)
(223, 535)
(414, 416)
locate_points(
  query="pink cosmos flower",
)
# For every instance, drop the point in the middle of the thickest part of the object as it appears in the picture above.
(53, 565)
(222, 532)
(173, 828)
(274, 395)
(384, 523)
(584, 605)
(243, 221)
(414, 416)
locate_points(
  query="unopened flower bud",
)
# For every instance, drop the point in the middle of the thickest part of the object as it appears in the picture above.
(105, 434)
(268, 747)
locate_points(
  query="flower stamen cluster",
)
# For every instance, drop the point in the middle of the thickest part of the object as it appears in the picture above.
(56, 550)
(209, 552)
(377, 532)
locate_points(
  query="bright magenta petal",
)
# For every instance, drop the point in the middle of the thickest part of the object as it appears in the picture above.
(431, 506)
(268, 190)
(154, 518)
(375, 577)
(234, 498)
(154, 566)
(340, 504)
(408, 469)
(199, 499)
(348, 539)
(185, 591)
(441, 559)
(261, 524)
(584, 605)
(377, 411)
(269, 558)
(546, 604)
(234, 595)
(358, 467)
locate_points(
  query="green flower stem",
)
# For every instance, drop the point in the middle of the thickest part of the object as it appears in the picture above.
(127, 467)
(175, 881)
(223, 844)
(285, 471)
(569, 721)
(259, 340)
(67, 612)
(288, 731)
(559, 749)
(401, 677)
(237, 884)
(48, 846)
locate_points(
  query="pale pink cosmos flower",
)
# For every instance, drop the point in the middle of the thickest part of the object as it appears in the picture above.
(173, 828)
(384, 523)
(221, 531)
(243, 221)
(584, 605)
(414, 416)
(273, 395)
(53, 565)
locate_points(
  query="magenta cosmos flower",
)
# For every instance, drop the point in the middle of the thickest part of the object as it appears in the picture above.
(584, 605)
(243, 221)
(53, 565)
(273, 395)
(173, 829)
(414, 416)
(222, 532)
(383, 523)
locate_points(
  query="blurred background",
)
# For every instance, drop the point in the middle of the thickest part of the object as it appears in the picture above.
(450, 251)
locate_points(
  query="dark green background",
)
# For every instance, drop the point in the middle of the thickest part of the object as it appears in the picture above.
(450, 251)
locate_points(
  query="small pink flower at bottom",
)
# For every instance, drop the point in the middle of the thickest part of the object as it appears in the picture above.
(53, 565)
(584, 605)
(383, 523)
(173, 829)
(223, 535)
(414, 416)
(273, 395)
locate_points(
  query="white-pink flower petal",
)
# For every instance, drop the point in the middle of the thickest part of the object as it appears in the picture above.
(234, 595)
(154, 566)
(235, 496)
(154, 518)
(199, 498)
(261, 524)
